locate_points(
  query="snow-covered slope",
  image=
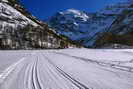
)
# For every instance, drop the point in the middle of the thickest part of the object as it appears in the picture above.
(121, 30)
(10, 17)
(20, 30)
(66, 69)
(87, 28)
(71, 23)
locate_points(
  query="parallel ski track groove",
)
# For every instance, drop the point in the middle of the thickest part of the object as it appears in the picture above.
(35, 80)
(127, 69)
(74, 81)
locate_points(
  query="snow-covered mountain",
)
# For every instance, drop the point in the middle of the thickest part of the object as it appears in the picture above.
(20, 30)
(88, 28)
(121, 30)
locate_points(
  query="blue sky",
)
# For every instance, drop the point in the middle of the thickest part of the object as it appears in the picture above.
(43, 9)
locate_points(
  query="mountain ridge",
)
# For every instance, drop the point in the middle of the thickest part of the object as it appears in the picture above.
(88, 32)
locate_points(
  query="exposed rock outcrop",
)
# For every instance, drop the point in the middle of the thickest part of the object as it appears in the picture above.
(20, 30)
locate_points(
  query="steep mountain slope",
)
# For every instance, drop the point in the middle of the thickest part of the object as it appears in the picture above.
(20, 30)
(121, 30)
(88, 29)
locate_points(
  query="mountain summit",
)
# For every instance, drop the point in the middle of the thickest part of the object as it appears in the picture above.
(73, 13)
(71, 23)
(89, 28)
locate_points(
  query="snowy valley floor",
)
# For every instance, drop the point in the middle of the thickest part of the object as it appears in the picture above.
(67, 69)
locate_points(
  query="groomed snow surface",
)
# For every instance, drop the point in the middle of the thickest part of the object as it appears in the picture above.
(67, 69)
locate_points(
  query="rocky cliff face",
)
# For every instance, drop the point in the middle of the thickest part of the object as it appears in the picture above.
(94, 29)
(20, 30)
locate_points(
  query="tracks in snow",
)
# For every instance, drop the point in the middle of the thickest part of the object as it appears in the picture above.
(111, 65)
(40, 71)
(69, 77)
(32, 75)
(9, 70)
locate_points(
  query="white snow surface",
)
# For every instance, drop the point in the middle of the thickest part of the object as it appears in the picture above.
(4, 0)
(76, 13)
(13, 17)
(67, 69)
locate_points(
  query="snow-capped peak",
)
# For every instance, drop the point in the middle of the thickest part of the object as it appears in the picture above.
(76, 14)
(87, 28)
(4, 0)
(74, 11)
